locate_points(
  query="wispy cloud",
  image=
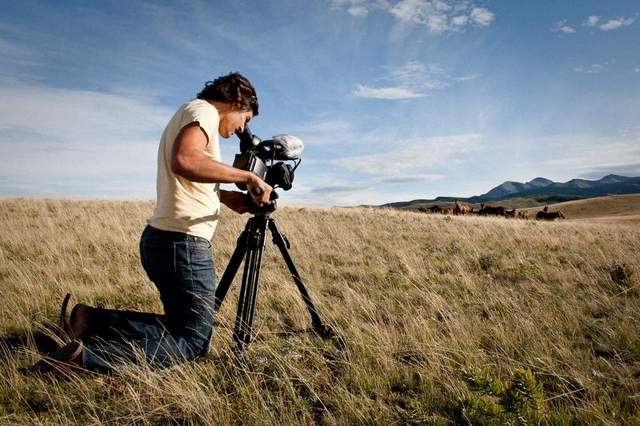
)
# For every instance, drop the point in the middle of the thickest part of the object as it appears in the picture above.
(441, 16)
(386, 92)
(17, 59)
(591, 21)
(438, 16)
(411, 80)
(324, 133)
(324, 126)
(372, 182)
(562, 26)
(49, 136)
(414, 178)
(407, 157)
(459, 21)
(593, 68)
(393, 174)
(358, 8)
(467, 77)
(597, 157)
(482, 16)
(372, 190)
(615, 24)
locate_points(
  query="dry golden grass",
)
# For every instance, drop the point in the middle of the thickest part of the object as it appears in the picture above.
(447, 320)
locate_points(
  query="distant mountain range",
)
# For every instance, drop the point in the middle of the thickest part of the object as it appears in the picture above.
(543, 190)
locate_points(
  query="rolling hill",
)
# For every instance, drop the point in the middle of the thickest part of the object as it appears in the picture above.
(538, 191)
(619, 209)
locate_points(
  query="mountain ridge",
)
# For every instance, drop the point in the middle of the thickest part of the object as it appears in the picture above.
(543, 190)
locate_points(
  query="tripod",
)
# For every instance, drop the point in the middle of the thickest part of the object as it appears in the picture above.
(250, 247)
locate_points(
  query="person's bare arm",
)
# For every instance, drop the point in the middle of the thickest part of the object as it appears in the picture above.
(189, 161)
(235, 200)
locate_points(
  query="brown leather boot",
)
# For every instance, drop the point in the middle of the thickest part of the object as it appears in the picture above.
(80, 321)
(62, 360)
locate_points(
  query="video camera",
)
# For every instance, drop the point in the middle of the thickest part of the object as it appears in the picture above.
(269, 159)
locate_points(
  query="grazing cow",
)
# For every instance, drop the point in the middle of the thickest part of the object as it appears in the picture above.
(434, 209)
(546, 215)
(490, 210)
(446, 210)
(510, 213)
(523, 214)
(461, 208)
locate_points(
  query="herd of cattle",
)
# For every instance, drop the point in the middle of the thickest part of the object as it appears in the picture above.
(465, 209)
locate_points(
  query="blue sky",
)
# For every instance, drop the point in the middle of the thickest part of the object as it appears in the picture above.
(395, 100)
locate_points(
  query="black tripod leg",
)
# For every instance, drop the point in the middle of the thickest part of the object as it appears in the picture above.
(318, 326)
(249, 289)
(232, 268)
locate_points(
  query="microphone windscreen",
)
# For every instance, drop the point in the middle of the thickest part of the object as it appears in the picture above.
(288, 146)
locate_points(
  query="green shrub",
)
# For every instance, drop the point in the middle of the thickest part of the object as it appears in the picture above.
(491, 401)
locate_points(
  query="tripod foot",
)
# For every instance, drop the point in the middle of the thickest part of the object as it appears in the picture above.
(327, 332)
(239, 351)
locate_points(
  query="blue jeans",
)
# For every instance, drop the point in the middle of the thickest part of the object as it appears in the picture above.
(181, 267)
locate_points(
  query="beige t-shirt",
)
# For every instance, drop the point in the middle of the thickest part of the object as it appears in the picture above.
(184, 206)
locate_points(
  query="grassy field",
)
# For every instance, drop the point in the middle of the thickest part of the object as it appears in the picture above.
(447, 320)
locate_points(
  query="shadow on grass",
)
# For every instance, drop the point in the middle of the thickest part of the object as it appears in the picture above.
(44, 341)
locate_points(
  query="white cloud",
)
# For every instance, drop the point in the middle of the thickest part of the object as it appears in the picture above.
(348, 186)
(49, 136)
(17, 58)
(468, 77)
(562, 26)
(78, 116)
(412, 156)
(411, 80)
(614, 24)
(459, 21)
(591, 21)
(367, 190)
(636, 69)
(597, 155)
(358, 8)
(438, 16)
(322, 133)
(591, 69)
(409, 10)
(482, 16)
(422, 12)
(594, 68)
(325, 126)
(416, 74)
(358, 11)
(385, 92)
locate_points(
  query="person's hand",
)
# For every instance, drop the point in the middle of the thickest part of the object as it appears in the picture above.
(265, 189)
(236, 201)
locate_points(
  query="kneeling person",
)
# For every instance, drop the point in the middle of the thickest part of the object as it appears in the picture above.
(175, 247)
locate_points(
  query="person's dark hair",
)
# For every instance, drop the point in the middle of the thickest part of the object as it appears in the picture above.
(232, 88)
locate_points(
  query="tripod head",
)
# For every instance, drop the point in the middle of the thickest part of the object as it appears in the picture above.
(255, 209)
